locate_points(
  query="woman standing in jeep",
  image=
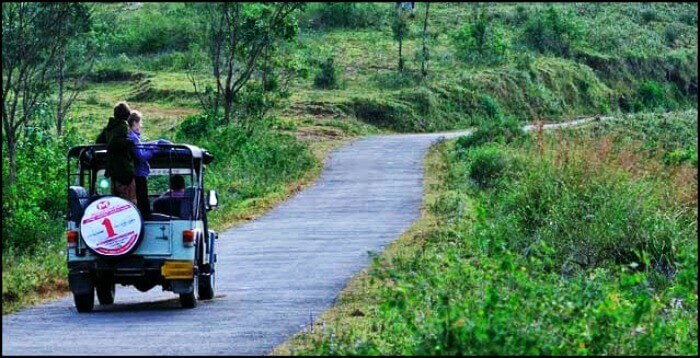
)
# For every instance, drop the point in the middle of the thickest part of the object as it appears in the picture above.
(120, 162)
(142, 153)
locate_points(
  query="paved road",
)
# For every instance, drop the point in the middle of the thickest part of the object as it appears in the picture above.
(275, 274)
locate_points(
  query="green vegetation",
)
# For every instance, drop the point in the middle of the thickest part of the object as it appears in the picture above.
(575, 246)
(490, 65)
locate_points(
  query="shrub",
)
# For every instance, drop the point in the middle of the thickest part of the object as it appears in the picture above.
(34, 206)
(196, 126)
(552, 33)
(479, 42)
(395, 80)
(505, 130)
(649, 15)
(651, 95)
(486, 165)
(327, 77)
(672, 33)
(343, 15)
(384, 113)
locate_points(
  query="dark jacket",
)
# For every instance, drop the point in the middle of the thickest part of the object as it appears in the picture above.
(143, 151)
(120, 160)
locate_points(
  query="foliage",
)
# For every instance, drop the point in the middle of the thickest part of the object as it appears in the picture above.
(261, 25)
(172, 27)
(346, 15)
(651, 94)
(251, 162)
(327, 77)
(33, 206)
(35, 37)
(502, 130)
(480, 42)
(577, 249)
(486, 165)
(552, 33)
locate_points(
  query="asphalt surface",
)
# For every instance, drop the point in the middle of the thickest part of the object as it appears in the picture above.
(275, 275)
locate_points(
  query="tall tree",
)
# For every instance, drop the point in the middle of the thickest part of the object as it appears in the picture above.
(30, 48)
(238, 35)
(424, 57)
(399, 28)
(76, 55)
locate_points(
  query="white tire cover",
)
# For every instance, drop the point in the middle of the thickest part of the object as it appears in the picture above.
(111, 226)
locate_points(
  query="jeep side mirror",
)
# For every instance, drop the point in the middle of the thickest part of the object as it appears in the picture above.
(212, 200)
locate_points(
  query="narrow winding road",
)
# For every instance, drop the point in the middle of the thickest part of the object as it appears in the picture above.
(274, 274)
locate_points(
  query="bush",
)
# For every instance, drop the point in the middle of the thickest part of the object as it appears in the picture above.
(327, 77)
(343, 15)
(34, 207)
(479, 42)
(504, 131)
(384, 113)
(551, 33)
(649, 15)
(196, 126)
(651, 94)
(155, 29)
(485, 165)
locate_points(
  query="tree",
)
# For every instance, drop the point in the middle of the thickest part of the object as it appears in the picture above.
(424, 58)
(400, 29)
(74, 60)
(30, 49)
(238, 35)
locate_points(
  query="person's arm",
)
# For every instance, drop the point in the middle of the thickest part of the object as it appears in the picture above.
(153, 148)
(140, 151)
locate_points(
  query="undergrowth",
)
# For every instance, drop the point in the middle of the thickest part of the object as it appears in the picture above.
(580, 244)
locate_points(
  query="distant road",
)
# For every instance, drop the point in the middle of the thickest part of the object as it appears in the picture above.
(274, 274)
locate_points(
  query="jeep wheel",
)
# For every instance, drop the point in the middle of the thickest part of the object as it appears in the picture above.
(105, 293)
(84, 302)
(206, 286)
(189, 300)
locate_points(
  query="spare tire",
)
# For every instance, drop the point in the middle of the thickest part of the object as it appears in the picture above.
(111, 226)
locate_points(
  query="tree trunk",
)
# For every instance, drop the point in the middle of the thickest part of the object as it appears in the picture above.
(424, 69)
(400, 56)
(61, 80)
(12, 154)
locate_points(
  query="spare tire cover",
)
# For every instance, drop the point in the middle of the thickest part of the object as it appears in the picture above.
(111, 226)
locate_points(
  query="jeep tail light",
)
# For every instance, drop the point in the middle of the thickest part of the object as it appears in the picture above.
(72, 238)
(188, 237)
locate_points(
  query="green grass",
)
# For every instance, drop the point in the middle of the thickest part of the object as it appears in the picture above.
(580, 244)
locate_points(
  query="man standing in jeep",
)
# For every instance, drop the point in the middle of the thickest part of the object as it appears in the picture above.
(120, 163)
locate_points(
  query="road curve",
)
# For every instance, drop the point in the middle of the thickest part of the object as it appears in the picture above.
(274, 274)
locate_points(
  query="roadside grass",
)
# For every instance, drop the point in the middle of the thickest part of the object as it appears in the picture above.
(576, 243)
(28, 280)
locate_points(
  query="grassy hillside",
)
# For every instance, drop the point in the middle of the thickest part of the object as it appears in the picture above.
(551, 61)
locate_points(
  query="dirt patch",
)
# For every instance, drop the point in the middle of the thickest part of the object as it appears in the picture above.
(318, 133)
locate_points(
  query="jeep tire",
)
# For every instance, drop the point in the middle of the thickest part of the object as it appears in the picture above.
(84, 302)
(105, 293)
(189, 300)
(206, 286)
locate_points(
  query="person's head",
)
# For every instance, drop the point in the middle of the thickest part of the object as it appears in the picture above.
(177, 182)
(134, 121)
(122, 111)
